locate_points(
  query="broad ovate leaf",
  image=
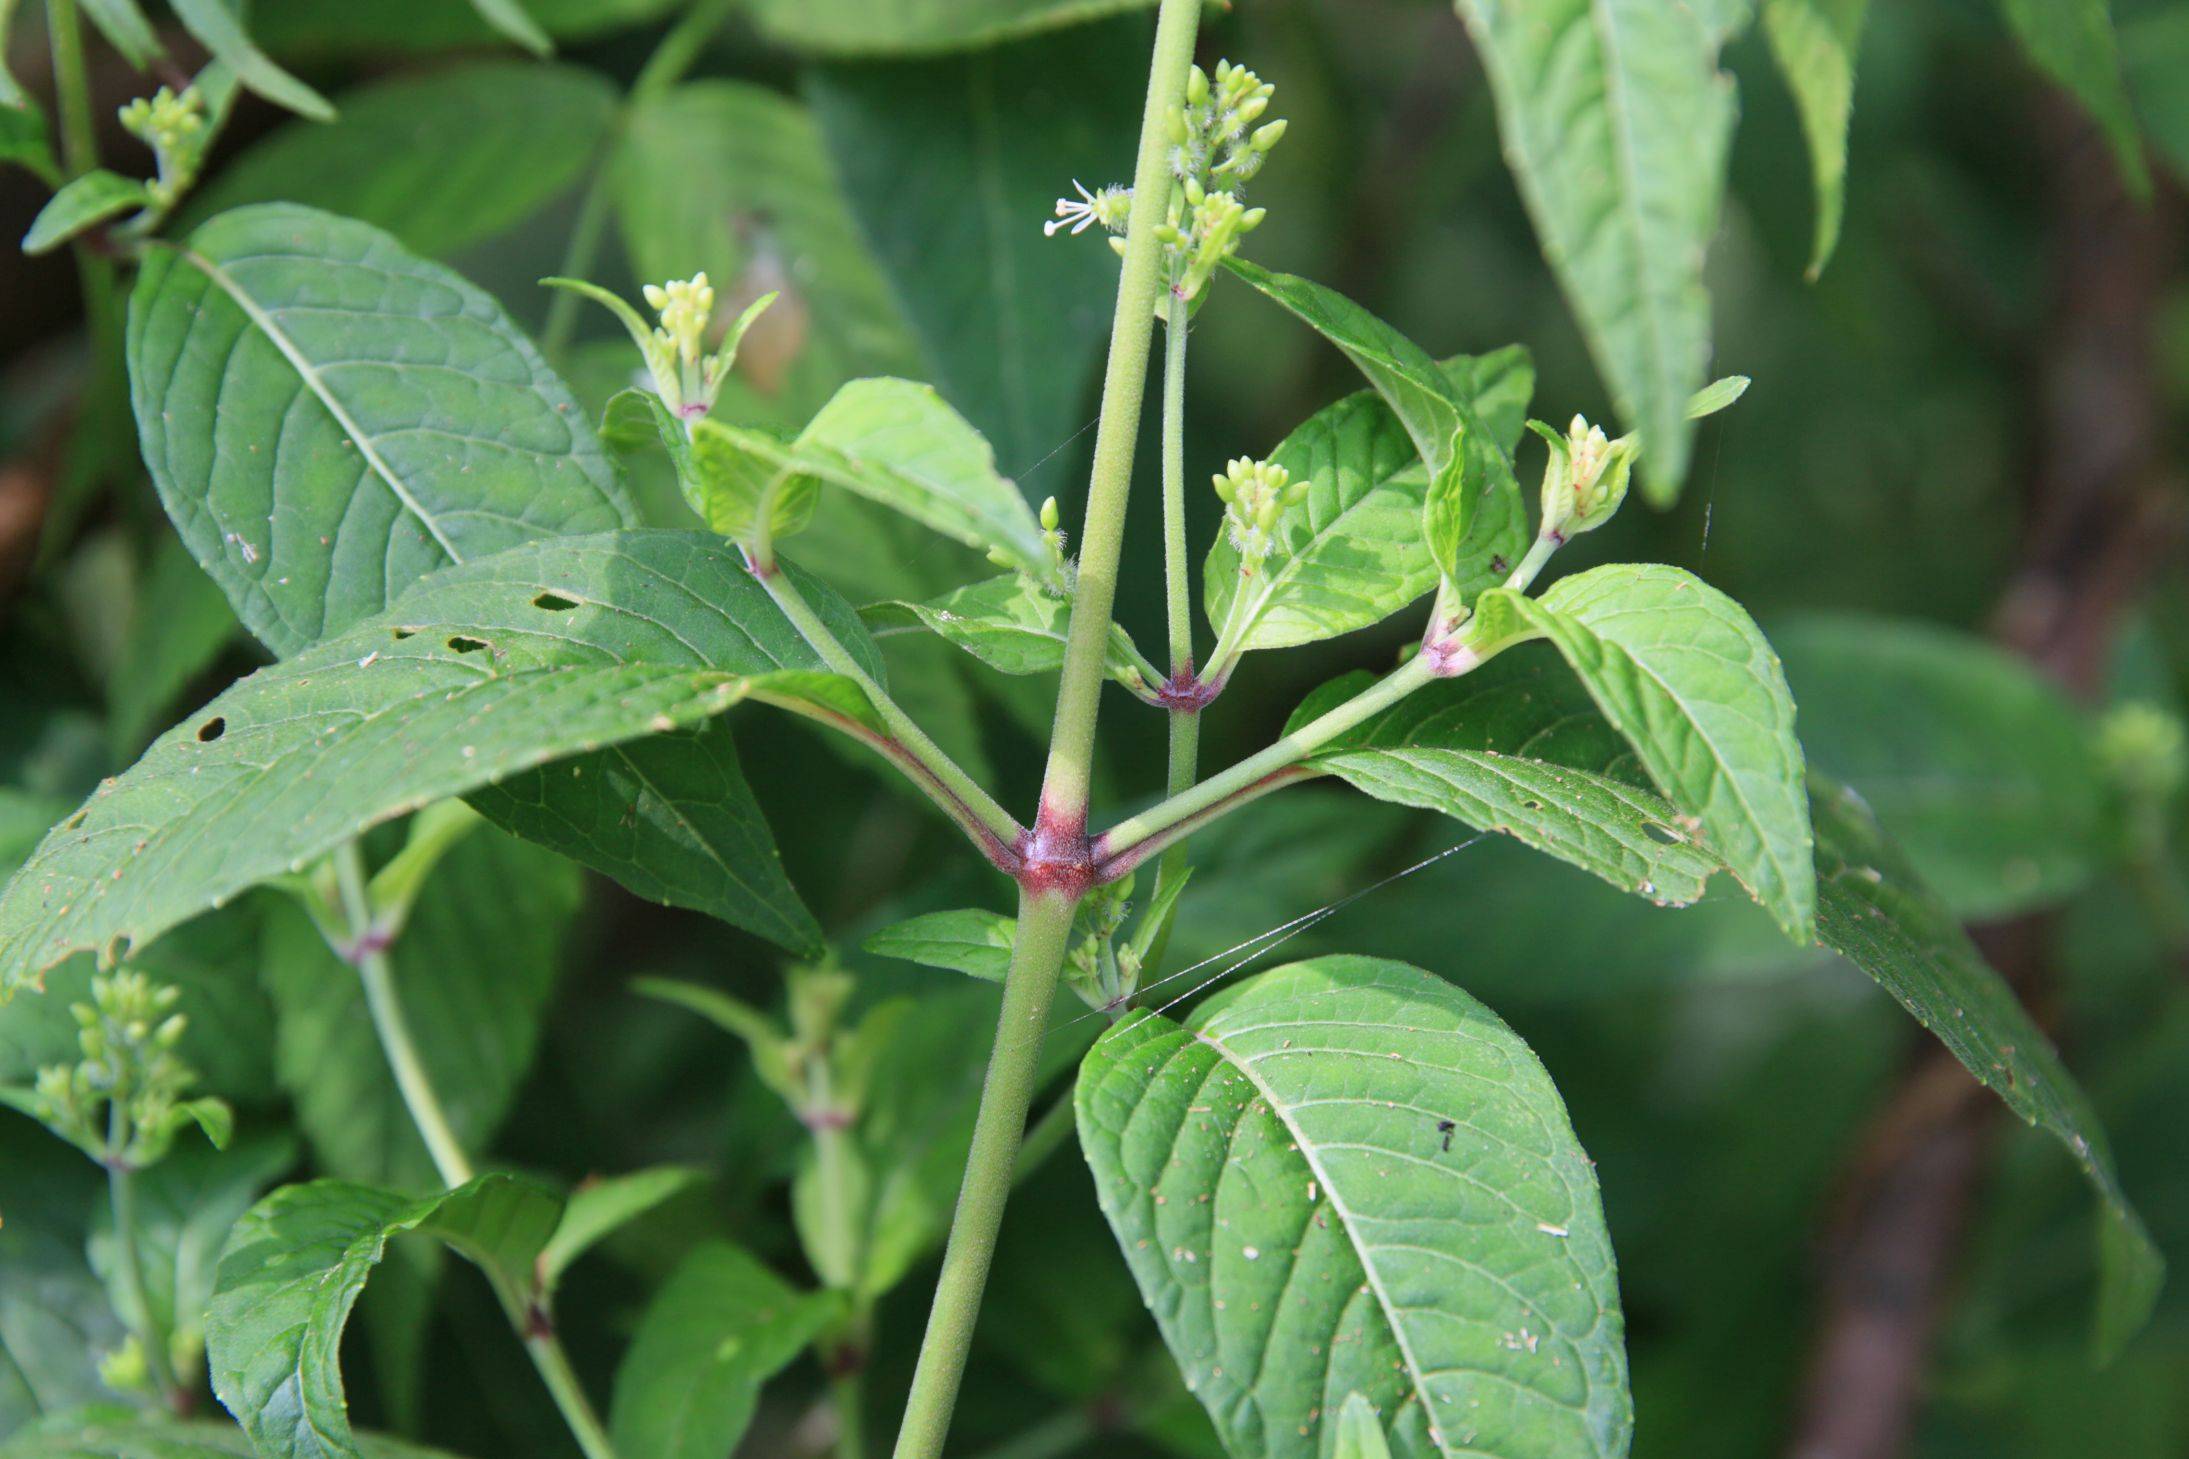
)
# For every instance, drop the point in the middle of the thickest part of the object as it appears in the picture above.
(1518, 747)
(1616, 119)
(721, 1326)
(1682, 671)
(482, 672)
(1874, 910)
(1472, 509)
(1353, 552)
(293, 1270)
(329, 418)
(1347, 1176)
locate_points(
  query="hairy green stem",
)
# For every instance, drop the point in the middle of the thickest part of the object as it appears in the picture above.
(977, 802)
(1121, 841)
(1046, 1135)
(1057, 846)
(430, 1117)
(672, 57)
(1539, 555)
(847, 1396)
(1037, 957)
(1124, 381)
(1185, 720)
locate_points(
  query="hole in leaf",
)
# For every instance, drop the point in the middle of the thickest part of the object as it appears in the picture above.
(212, 730)
(554, 603)
(1663, 835)
(76, 822)
(403, 633)
(464, 645)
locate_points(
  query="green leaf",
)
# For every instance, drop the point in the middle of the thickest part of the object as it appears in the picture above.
(442, 160)
(1354, 553)
(337, 29)
(84, 203)
(946, 162)
(597, 1209)
(897, 443)
(514, 21)
(113, 1432)
(732, 179)
(1814, 43)
(1360, 1436)
(1013, 625)
(293, 1270)
(911, 27)
(970, 941)
(1348, 1176)
(672, 818)
(213, 25)
(1875, 911)
(1616, 119)
(1472, 493)
(2072, 41)
(484, 671)
(54, 1315)
(329, 418)
(721, 1326)
(179, 626)
(185, 1206)
(474, 970)
(1983, 772)
(22, 128)
(2154, 54)
(123, 24)
(1681, 670)
(1517, 747)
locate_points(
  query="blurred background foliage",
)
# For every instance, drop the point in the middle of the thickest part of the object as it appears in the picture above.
(1904, 498)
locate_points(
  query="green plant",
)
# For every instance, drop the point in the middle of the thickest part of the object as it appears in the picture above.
(1348, 1191)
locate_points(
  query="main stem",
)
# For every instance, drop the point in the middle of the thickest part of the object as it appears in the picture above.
(1052, 880)
(1037, 957)
(1185, 721)
(430, 1116)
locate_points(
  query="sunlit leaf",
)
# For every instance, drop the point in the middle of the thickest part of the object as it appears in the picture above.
(1814, 42)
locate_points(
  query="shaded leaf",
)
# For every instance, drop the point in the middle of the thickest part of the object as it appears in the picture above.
(1982, 771)
(178, 628)
(482, 672)
(1013, 625)
(970, 941)
(321, 28)
(1616, 119)
(945, 161)
(512, 19)
(722, 1325)
(2072, 41)
(113, 1432)
(1874, 910)
(1814, 43)
(1347, 1176)
(597, 1209)
(294, 1267)
(440, 160)
(898, 27)
(329, 418)
(213, 25)
(126, 29)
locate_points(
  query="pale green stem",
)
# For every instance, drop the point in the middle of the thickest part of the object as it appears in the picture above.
(1037, 957)
(1124, 381)
(1539, 554)
(1045, 916)
(121, 1190)
(663, 69)
(1046, 1135)
(1127, 835)
(430, 1117)
(977, 802)
(1185, 724)
(847, 1395)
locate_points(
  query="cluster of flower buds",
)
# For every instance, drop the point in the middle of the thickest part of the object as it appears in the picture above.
(1585, 479)
(1218, 141)
(174, 127)
(1255, 494)
(126, 1099)
(686, 376)
(1102, 968)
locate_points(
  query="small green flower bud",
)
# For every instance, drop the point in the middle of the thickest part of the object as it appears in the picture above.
(1197, 84)
(1268, 136)
(1252, 219)
(1050, 515)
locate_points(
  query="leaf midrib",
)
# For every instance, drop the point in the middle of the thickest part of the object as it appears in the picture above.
(309, 373)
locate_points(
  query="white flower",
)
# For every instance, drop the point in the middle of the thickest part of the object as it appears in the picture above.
(1074, 213)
